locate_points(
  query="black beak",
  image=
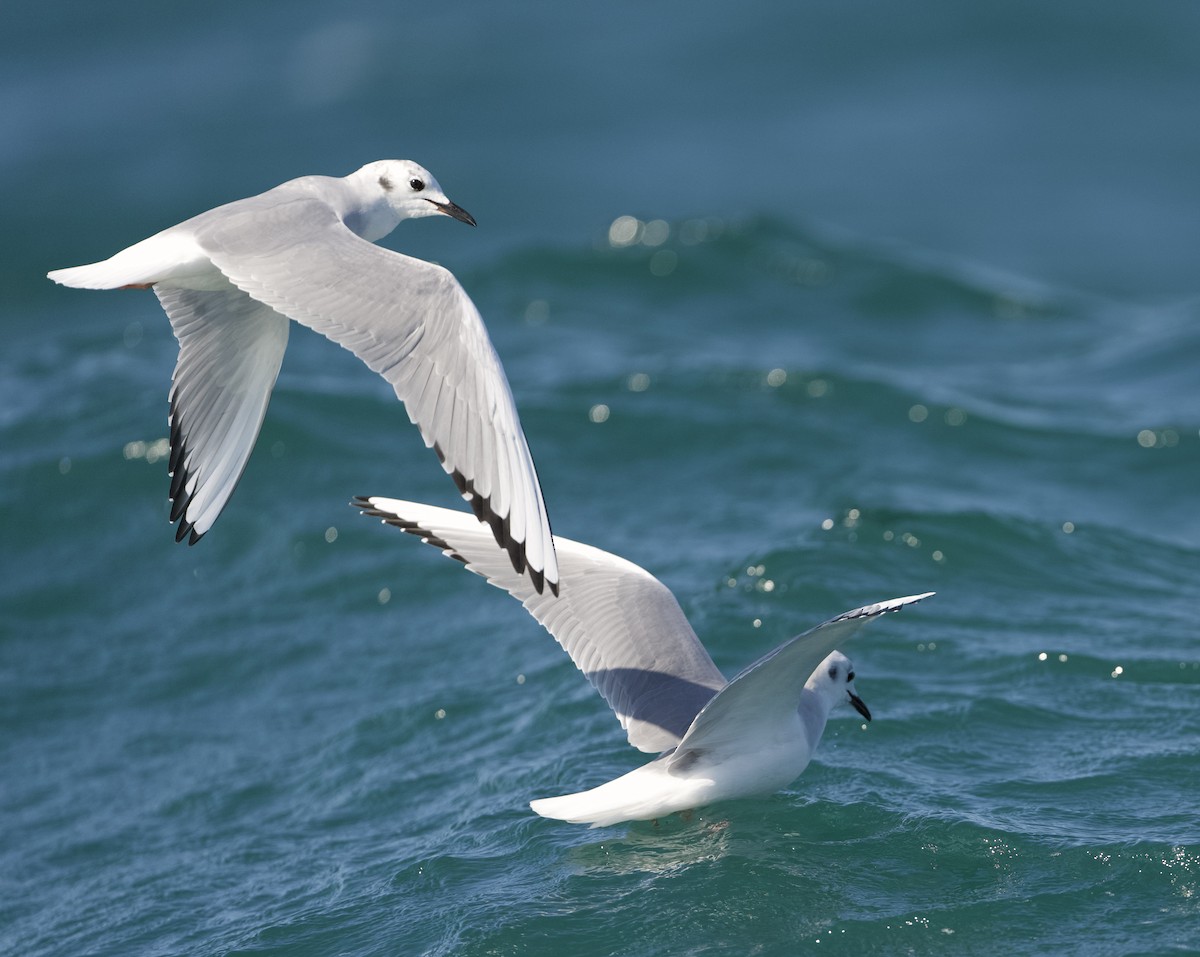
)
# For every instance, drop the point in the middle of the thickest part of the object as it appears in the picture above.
(859, 705)
(457, 212)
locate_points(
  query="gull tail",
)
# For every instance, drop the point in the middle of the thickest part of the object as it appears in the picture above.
(643, 794)
(92, 276)
(152, 260)
(576, 809)
(596, 808)
(112, 273)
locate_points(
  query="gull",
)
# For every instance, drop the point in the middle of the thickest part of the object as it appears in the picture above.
(230, 279)
(626, 632)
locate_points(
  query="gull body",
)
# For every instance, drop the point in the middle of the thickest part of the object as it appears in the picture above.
(756, 753)
(231, 279)
(626, 632)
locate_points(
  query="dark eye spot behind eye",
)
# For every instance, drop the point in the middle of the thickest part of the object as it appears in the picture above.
(833, 672)
(416, 184)
(385, 182)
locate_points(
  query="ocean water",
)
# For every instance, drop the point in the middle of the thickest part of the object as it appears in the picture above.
(804, 306)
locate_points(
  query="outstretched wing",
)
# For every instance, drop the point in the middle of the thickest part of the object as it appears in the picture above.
(621, 626)
(230, 350)
(772, 685)
(411, 322)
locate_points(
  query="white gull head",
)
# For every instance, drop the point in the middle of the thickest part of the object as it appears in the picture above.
(391, 191)
(833, 684)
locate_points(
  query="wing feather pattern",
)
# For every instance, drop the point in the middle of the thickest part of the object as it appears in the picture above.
(411, 322)
(230, 351)
(621, 626)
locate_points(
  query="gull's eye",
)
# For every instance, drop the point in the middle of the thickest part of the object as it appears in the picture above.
(416, 184)
(850, 677)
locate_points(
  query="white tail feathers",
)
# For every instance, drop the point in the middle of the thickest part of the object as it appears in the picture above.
(92, 276)
(583, 808)
(165, 255)
(566, 808)
(643, 794)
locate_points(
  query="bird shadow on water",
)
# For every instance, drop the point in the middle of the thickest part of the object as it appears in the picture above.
(679, 841)
(645, 847)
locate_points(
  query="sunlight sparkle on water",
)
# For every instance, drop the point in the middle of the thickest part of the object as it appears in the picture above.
(537, 312)
(150, 451)
(655, 232)
(1158, 438)
(624, 231)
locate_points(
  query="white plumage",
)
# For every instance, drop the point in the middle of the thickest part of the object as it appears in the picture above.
(231, 279)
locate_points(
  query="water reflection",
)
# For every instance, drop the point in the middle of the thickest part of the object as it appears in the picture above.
(671, 845)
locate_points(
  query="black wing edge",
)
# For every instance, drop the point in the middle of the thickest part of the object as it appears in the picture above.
(180, 499)
(501, 529)
(363, 504)
(881, 608)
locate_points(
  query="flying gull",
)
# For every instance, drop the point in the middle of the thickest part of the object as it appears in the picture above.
(231, 278)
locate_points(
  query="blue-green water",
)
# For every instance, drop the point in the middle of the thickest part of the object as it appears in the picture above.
(920, 314)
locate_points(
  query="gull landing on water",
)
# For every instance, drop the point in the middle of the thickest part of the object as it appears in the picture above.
(626, 632)
(231, 279)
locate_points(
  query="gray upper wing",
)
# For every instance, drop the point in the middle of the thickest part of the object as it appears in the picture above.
(774, 682)
(411, 322)
(621, 626)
